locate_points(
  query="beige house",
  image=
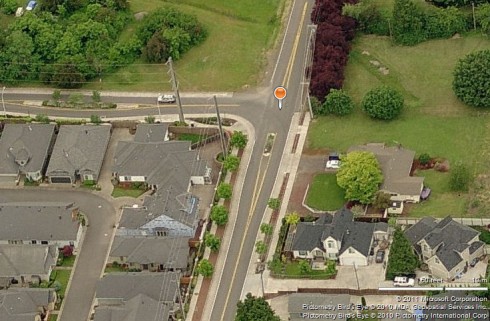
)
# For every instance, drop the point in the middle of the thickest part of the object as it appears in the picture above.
(336, 237)
(396, 164)
(447, 247)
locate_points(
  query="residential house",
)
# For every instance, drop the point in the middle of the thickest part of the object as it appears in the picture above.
(148, 253)
(306, 306)
(24, 150)
(129, 294)
(456, 301)
(45, 223)
(151, 133)
(396, 208)
(26, 304)
(155, 164)
(396, 164)
(27, 263)
(78, 153)
(447, 247)
(337, 237)
(165, 213)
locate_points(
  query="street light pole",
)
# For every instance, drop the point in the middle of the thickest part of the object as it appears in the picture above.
(3, 103)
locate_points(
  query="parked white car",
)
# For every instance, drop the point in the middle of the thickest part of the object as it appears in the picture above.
(333, 164)
(403, 281)
(166, 99)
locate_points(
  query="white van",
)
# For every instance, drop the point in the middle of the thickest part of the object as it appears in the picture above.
(403, 281)
(166, 99)
(19, 12)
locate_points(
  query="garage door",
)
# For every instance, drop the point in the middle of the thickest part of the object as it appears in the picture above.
(358, 261)
(65, 180)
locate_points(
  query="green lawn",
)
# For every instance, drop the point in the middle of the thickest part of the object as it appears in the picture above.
(62, 276)
(69, 261)
(193, 138)
(292, 270)
(113, 269)
(233, 55)
(324, 193)
(433, 122)
(53, 317)
(126, 192)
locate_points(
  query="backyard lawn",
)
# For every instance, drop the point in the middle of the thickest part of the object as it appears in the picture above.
(324, 193)
(433, 122)
(68, 261)
(233, 55)
(62, 276)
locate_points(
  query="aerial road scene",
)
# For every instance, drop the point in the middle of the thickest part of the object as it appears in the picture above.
(244, 160)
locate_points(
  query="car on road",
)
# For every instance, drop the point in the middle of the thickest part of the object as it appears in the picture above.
(403, 281)
(31, 5)
(380, 256)
(166, 99)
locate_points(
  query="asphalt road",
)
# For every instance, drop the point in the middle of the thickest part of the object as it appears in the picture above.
(256, 105)
(91, 258)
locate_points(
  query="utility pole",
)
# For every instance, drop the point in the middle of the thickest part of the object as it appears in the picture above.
(474, 19)
(175, 88)
(223, 145)
(3, 103)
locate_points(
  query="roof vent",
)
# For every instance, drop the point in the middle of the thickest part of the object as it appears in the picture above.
(347, 232)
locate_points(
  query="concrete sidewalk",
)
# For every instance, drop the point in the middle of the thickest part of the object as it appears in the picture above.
(258, 283)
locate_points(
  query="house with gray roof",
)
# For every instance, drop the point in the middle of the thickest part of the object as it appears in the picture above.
(140, 307)
(27, 263)
(151, 133)
(78, 153)
(149, 253)
(160, 164)
(165, 213)
(306, 306)
(337, 237)
(45, 223)
(447, 246)
(396, 164)
(25, 304)
(24, 150)
(119, 291)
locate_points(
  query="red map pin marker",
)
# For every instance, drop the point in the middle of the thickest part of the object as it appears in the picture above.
(280, 94)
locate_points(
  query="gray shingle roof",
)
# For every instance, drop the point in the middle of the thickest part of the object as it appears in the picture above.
(381, 227)
(310, 235)
(17, 260)
(125, 286)
(163, 164)
(396, 164)
(27, 143)
(151, 133)
(297, 300)
(475, 246)
(172, 252)
(23, 304)
(79, 148)
(139, 308)
(420, 229)
(448, 236)
(38, 221)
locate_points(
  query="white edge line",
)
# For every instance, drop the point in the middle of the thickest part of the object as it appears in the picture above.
(283, 40)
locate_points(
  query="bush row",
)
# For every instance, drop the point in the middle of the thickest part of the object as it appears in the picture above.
(333, 36)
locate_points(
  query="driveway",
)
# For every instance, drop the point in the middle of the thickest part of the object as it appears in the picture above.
(101, 220)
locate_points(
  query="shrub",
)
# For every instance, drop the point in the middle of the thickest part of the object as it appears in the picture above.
(459, 178)
(274, 203)
(219, 214)
(424, 159)
(266, 229)
(338, 102)
(383, 103)
(224, 191)
(260, 247)
(238, 140)
(472, 79)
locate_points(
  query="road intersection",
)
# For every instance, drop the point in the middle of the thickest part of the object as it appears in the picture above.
(256, 105)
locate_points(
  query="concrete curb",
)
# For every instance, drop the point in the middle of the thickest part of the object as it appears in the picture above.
(49, 91)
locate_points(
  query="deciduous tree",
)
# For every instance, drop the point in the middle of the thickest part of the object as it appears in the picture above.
(224, 191)
(255, 309)
(231, 163)
(219, 214)
(212, 241)
(205, 268)
(338, 102)
(238, 139)
(359, 175)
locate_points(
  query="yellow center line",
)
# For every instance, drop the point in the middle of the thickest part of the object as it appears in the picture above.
(249, 219)
(289, 69)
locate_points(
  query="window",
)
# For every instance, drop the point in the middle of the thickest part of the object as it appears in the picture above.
(426, 248)
(318, 253)
(436, 260)
(127, 178)
(351, 250)
(331, 244)
(44, 242)
(332, 255)
(15, 242)
(303, 253)
(33, 242)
